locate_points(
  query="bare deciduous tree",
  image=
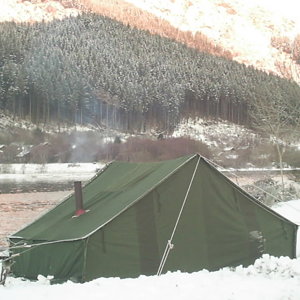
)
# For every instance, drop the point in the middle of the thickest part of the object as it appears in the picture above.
(280, 120)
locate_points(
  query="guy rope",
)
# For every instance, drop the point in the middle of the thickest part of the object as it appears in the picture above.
(169, 245)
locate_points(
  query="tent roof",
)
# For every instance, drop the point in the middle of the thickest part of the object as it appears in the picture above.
(107, 195)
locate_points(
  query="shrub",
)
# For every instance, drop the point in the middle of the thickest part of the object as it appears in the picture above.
(292, 157)
(263, 154)
(5, 138)
(141, 149)
(10, 153)
(37, 136)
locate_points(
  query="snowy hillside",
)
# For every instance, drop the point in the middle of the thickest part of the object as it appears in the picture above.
(32, 11)
(260, 33)
(246, 29)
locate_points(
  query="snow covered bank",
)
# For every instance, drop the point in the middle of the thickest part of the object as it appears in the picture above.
(269, 278)
(213, 133)
(55, 171)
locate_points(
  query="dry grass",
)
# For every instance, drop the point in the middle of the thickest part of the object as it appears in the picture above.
(229, 9)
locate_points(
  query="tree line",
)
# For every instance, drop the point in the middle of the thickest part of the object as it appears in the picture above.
(93, 69)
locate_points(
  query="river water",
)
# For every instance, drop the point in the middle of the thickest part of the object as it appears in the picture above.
(12, 186)
(62, 182)
(22, 178)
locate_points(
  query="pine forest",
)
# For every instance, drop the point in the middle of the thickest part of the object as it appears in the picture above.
(91, 69)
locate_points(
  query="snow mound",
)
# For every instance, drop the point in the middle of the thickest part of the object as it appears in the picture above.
(269, 278)
(270, 267)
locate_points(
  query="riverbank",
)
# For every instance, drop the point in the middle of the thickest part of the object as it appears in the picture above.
(53, 171)
(18, 210)
(26, 178)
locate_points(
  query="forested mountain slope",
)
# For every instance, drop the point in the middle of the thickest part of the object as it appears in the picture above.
(93, 69)
(261, 33)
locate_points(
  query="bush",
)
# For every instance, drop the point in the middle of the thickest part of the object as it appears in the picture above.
(9, 154)
(38, 136)
(292, 157)
(5, 138)
(140, 149)
(248, 152)
(263, 154)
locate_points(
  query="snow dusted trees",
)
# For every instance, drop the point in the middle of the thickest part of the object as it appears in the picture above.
(93, 69)
(278, 118)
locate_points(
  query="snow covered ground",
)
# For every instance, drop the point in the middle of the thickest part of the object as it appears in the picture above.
(269, 278)
(220, 134)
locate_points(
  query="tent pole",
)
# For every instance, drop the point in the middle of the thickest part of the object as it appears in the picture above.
(169, 245)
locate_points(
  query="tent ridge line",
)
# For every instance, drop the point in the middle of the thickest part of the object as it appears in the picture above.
(143, 195)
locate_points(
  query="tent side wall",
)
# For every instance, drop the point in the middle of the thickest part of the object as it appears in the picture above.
(63, 260)
(276, 234)
(222, 226)
(133, 243)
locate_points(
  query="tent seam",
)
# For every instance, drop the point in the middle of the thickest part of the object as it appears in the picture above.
(84, 259)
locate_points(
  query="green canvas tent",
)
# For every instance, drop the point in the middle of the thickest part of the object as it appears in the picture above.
(148, 218)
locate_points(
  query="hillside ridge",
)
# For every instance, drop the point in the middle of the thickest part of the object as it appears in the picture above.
(262, 34)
